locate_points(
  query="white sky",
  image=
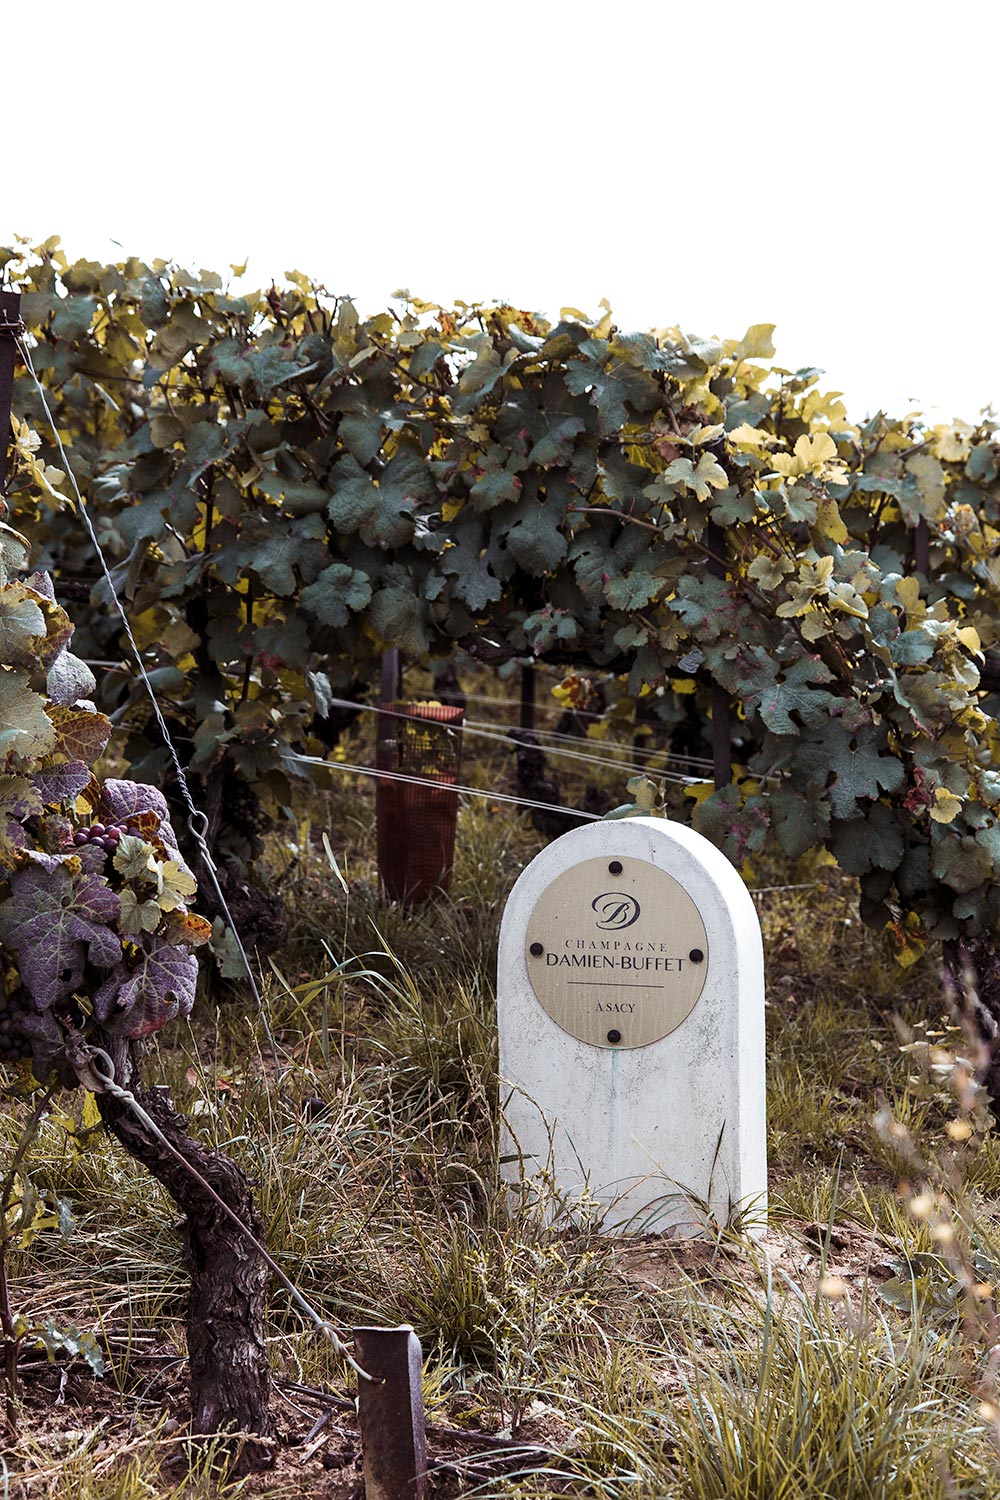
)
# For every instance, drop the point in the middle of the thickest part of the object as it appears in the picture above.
(830, 169)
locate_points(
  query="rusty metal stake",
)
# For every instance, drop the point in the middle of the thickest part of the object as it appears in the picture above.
(391, 1413)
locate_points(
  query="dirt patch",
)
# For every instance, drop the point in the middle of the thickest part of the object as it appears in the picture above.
(71, 1419)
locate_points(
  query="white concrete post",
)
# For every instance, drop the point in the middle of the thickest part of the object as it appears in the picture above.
(630, 1002)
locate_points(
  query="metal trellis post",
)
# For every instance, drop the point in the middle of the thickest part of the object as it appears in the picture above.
(10, 326)
(722, 731)
(391, 1413)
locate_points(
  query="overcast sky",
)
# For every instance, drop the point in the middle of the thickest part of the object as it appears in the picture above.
(830, 169)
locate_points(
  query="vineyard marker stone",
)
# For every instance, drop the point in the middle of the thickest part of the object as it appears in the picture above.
(630, 1001)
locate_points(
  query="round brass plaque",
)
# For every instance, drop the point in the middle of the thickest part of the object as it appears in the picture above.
(616, 952)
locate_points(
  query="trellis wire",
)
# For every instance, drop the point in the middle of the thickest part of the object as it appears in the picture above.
(440, 786)
(545, 708)
(197, 821)
(609, 746)
(579, 755)
(581, 713)
(477, 727)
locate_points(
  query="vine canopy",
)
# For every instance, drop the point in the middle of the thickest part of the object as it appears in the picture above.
(286, 488)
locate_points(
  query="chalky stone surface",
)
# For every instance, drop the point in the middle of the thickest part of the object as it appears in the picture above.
(631, 1014)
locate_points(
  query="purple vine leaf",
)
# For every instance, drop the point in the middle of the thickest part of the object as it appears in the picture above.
(61, 783)
(56, 924)
(159, 987)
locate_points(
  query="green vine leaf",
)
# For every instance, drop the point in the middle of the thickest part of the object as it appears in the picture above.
(26, 731)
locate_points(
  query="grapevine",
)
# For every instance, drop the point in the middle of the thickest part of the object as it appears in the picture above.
(286, 489)
(96, 934)
(97, 941)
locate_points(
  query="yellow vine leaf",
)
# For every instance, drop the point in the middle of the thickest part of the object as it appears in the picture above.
(746, 437)
(698, 791)
(814, 456)
(828, 520)
(908, 594)
(946, 806)
(952, 441)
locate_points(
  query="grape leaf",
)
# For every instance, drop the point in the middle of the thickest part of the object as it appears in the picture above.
(137, 916)
(13, 552)
(399, 618)
(549, 626)
(338, 590)
(354, 498)
(737, 825)
(48, 1047)
(362, 432)
(185, 927)
(61, 782)
(174, 885)
(21, 797)
(925, 497)
(19, 800)
(79, 733)
(493, 487)
(961, 861)
(800, 817)
(706, 604)
(637, 587)
(58, 625)
(21, 624)
(872, 842)
(555, 441)
(403, 484)
(468, 563)
(160, 986)
(853, 763)
(769, 572)
(912, 648)
(125, 802)
(480, 375)
(56, 924)
(534, 540)
(611, 386)
(793, 693)
(702, 480)
(134, 859)
(274, 559)
(732, 505)
(69, 679)
(25, 728)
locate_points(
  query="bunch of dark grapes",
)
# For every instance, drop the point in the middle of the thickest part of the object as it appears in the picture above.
(243, 817)
(105, 836)
(14, 1041)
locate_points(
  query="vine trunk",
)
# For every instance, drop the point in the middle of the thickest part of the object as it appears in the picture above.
(229, 1371)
